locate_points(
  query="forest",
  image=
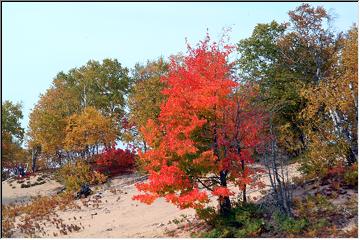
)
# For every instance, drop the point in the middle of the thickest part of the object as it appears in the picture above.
(257, 139)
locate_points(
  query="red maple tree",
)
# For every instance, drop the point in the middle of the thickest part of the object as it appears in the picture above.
(206, 133)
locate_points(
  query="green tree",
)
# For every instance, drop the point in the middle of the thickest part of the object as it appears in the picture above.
(10, 121)
(99, 85)
(12, 134)
(145, 98)
(284, 59)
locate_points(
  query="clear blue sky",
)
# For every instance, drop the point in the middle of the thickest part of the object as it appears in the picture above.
(41, 39)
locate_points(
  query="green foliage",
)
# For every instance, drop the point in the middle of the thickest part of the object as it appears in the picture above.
(311, 207)
(145, 98)
(284, 59)
(12, 134)
(72, 176)
(351, 176)
(244, 220)
(290, 225)
(99, 85)
(207, 214)
(11, 114)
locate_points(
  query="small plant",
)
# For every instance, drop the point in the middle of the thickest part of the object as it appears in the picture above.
(244, 220)
(25, 185)
(290, 225)
(73, 176)
(351, 175)
(207, 214)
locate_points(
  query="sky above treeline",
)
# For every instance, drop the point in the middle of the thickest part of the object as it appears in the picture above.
(41, 39)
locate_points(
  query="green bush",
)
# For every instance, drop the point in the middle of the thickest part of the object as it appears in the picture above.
(245, 220)
(351, 175)
(291, 225)
(207, 214)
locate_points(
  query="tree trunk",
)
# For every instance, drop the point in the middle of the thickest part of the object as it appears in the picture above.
(34, 155)
(244, 190)
(278, 180)
(145, 147)
(224, 202)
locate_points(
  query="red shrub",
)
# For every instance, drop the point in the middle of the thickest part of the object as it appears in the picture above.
(114, 161)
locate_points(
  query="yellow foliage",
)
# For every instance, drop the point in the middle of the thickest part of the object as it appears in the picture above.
(330, 116)
(48, 120)
(87, 129)
(74, 175)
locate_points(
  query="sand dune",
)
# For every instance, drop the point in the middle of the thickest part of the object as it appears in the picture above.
(12, 192)
(110, 211)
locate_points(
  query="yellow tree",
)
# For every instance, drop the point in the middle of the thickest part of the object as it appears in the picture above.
(48, 120)
(331, 113)
(89, 130)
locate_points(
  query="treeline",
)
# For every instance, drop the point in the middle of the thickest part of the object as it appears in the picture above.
(308, 79)
(300, 76)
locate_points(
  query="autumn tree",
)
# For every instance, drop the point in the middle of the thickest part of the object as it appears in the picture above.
(288, 61)
(87, 131)
(47, 121)
(204, 136)
(284, 59)
(144, 99)
(12, 134)
(331, 114)
(99, 85)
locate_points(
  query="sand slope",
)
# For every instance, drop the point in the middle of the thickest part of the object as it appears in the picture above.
(111, 212)
(13, 193)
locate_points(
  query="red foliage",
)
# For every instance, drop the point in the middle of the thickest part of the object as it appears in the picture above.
(206, 126)
(222, 191)
(167, 182)
(114, 161)
(336, 170)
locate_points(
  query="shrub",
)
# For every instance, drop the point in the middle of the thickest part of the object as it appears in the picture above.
(351, 175)
(244, 220)
(207, 214)
(75, 175)
(291, 225)
(23, 185)
(114, 161)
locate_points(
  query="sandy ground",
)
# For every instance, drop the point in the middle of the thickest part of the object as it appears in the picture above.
(110, 211)
(13, 193)
(119, 216)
